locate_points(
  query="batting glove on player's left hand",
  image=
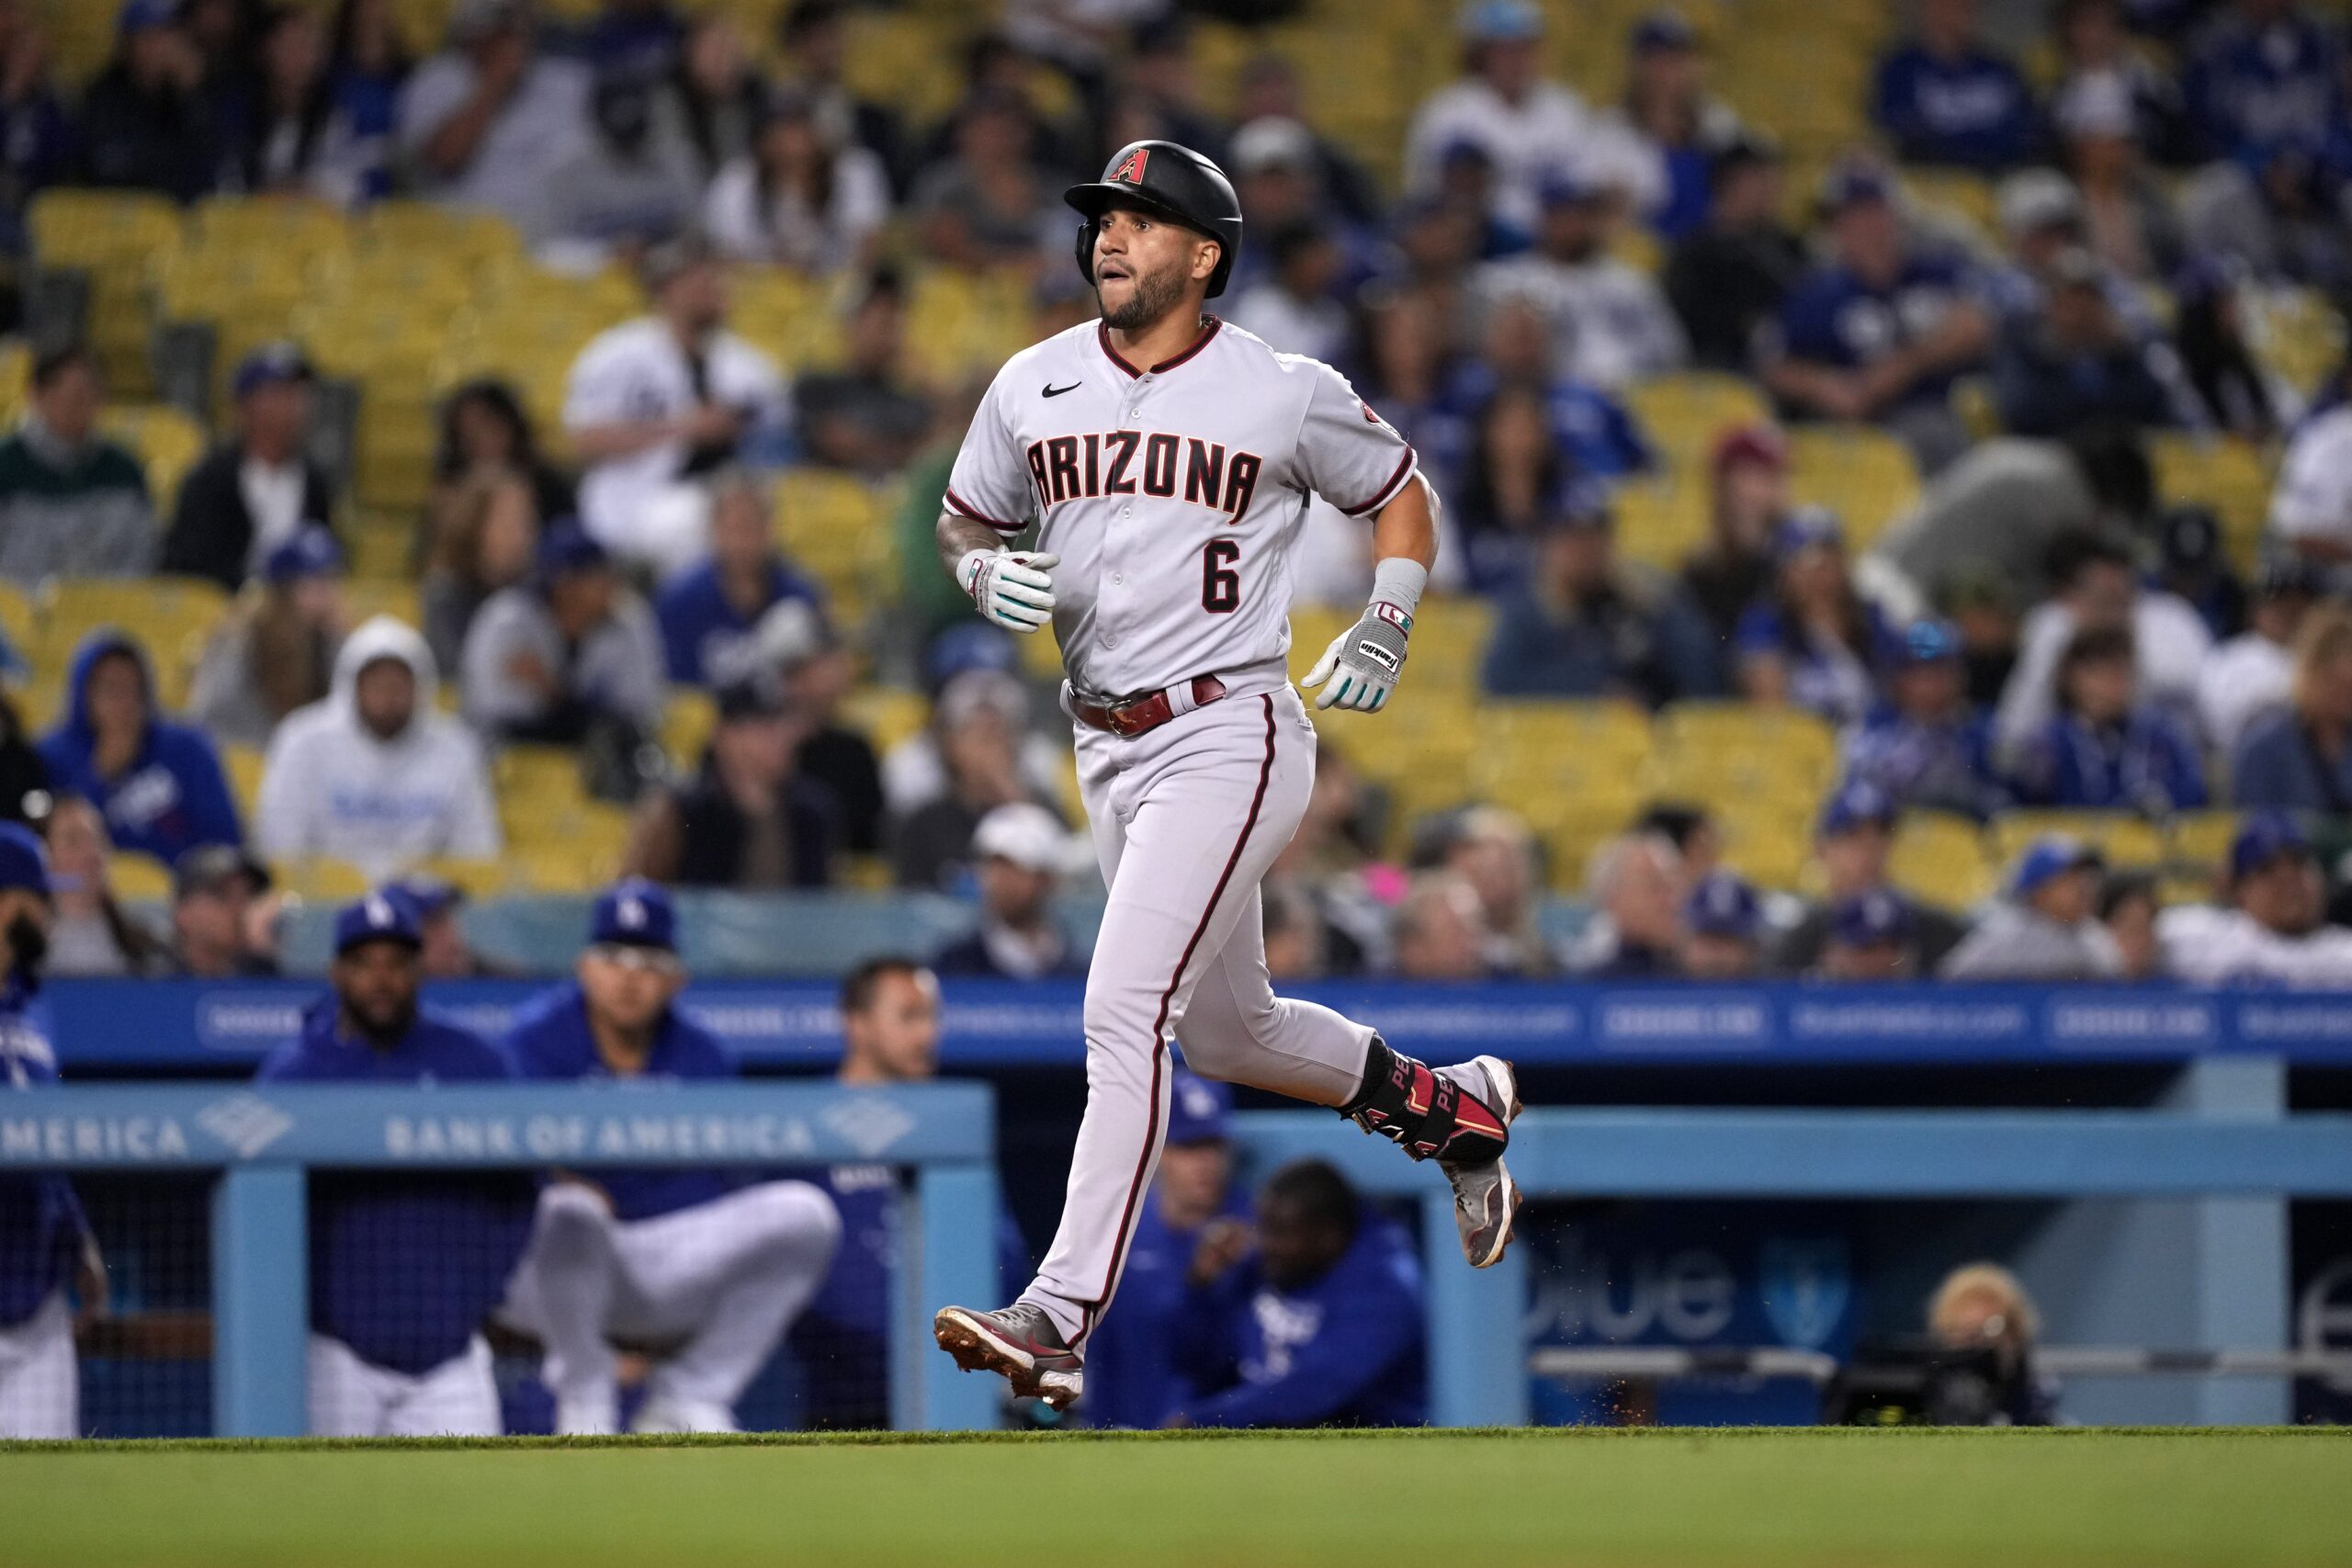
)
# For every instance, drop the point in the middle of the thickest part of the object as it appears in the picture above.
(1367, 658)
(1010, 587)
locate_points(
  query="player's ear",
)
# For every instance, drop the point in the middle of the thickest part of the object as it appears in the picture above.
(1205, 259)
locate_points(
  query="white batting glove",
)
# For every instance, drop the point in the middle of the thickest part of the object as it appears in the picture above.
(1367, 657)
(1012, 587)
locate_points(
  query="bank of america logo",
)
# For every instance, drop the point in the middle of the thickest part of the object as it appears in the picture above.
(869, 1126)
(245, 1123)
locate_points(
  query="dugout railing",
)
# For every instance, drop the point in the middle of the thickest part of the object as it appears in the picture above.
(259, 1145)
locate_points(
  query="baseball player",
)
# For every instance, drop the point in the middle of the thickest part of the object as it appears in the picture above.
(708, 1271)
(1167, 459)
(404, 1267)
(46, 1245)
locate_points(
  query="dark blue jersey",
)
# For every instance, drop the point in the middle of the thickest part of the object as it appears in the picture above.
(41, 1224)
(1345, 1349)
(550, 1041)
(1974, 112)
(1132, 1376)
(705, 641)
(404, 1267)
(1833, 317)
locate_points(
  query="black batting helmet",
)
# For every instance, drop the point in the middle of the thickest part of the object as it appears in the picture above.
(1173, 181)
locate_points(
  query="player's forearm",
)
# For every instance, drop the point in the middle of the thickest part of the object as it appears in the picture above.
(958, 537)
(1405, 528)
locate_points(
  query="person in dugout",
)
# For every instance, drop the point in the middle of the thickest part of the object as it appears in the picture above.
(404, 1267)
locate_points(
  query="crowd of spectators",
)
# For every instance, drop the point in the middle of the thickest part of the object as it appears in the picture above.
(2045, 629)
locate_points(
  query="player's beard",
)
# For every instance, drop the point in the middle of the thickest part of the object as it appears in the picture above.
(1154, 294)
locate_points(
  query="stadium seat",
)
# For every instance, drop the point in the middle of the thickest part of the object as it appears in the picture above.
(322, 880)
(19, 623)
(1941, 859)
(164, 440)
(1683, 414)
(889, 715)
(687, 725)
(2124, 839)
(244, 765)
(2230, 475)
(1711, 751)
(1861, 473)
(2196, 841)
(171, 617)
(139, 879)
(474, 878)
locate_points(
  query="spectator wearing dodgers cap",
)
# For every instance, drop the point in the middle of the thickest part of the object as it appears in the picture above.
(2268, 929)
(255, 492)
(1195, 1225)
(1723, 924)
(1019, 852)
(2045, 926)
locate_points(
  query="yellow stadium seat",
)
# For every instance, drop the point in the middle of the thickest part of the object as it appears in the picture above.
(19, 622)
(170, 618)
(537, 780)
(2230, 475)
(116, 237)
(1764, 842)
(369, 597)
(243, 766)
(1661, 522)
(1683, 414)
(2198, 839)
(1941, 859)
(687, 725)
(322, 880)
(888, 715)
(139, 879)
(1740, 749)
(2124, 839)
(474, 878)
(1959, 193)
(1864, 475)
(165, 440)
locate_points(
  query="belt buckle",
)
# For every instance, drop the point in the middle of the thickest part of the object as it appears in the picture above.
(1118, 714)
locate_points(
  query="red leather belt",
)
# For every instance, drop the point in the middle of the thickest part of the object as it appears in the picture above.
(1131, 716)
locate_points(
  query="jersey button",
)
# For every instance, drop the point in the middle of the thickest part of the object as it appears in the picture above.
(1117, 577)
(1110, 640)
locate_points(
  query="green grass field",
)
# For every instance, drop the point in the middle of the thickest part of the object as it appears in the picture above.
(1823, 1500)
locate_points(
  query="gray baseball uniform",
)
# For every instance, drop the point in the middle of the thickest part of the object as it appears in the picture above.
(1174, 496)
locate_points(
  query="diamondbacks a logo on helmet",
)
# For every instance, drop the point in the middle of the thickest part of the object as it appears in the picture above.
(1130, 169)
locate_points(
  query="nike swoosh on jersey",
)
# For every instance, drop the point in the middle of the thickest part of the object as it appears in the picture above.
(1054, 391)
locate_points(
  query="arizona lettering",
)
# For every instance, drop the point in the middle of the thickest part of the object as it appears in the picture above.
(1128, 462)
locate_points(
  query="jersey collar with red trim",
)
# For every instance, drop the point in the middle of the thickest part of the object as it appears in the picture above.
(1209, 331)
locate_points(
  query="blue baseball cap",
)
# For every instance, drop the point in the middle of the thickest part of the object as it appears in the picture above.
(24, 861)
(567, 548)
(2051, 856)
(1570, 186)
(1804, 528)
(1722, 904)
(634, 912)
(379, 916)
(2264, 839)
(1199, 1110)
(1500, 21)
(426, 895)
(138, 16)
(1928, 642)
(1851, 184)
(1871, 920)
(270, 364)
(1661, 31)
(1857, 803)
(311, 552)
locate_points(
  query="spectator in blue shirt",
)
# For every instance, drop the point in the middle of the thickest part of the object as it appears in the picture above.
(404, 1267)
(2074, 362)
(46, 1247)
(157, 783)
(1927, 747)
(2104, 749)
(710, 615)
(1193, 1226)
(2263, 74)
(890, 1035)
(1942, 98)
(1582, 626)
(708, 1271)
(1810, 642)
(2299, 757)
(1881, 331)
(1321, 1327)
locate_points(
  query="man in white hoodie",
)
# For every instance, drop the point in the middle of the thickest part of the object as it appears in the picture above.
(374, 773)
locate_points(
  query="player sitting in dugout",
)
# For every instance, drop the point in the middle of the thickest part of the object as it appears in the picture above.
(1320, 1327)
(404, 1266)
(704, 1272)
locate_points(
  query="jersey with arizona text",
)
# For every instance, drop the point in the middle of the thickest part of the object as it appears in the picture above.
(1174, 496)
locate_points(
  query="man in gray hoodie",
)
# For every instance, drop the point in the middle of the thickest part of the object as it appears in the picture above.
(374, 773)
(2046, 925)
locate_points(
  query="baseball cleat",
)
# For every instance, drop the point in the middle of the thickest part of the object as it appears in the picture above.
(1019, 1341)
(1486, 1199)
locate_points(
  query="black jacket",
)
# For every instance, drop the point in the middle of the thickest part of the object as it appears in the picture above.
(165, 141)
(211, 532)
